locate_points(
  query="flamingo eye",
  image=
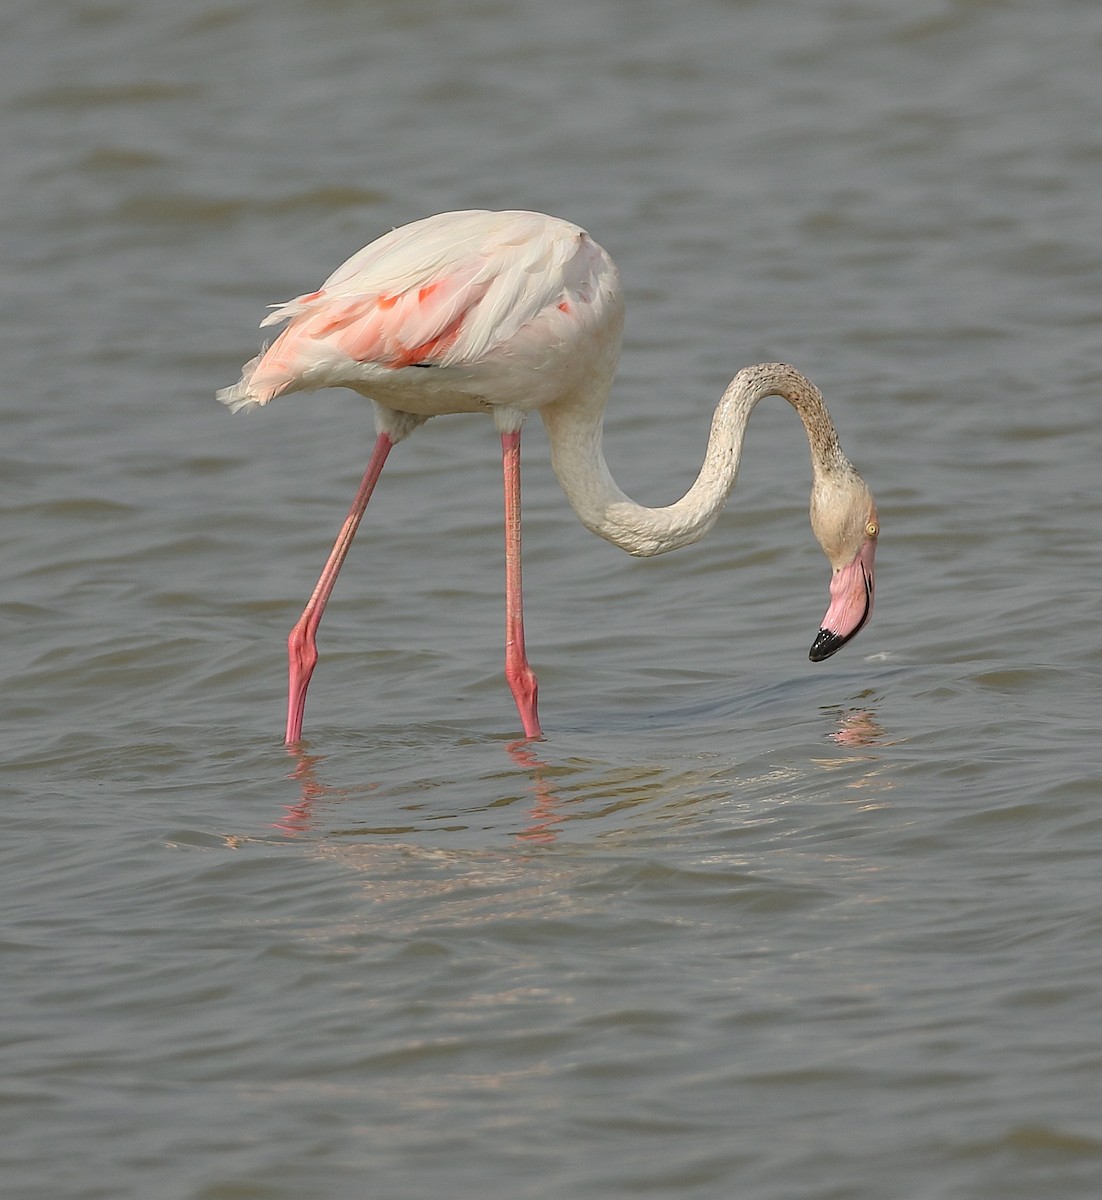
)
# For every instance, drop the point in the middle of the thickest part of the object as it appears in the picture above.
(872, 529)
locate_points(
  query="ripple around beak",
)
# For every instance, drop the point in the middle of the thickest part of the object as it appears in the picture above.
(825, 645)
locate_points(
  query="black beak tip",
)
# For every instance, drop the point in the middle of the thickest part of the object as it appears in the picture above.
(825, 645)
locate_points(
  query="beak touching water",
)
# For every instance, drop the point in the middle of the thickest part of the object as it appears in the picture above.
(851, 593)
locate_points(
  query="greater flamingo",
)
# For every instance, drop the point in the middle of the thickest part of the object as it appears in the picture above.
(506, 313)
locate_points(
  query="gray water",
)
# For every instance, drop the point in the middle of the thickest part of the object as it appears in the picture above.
(741, 925)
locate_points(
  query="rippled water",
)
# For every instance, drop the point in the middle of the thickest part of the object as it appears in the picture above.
(740, 926)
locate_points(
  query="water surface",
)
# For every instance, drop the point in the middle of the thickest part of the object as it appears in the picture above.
(740, 925)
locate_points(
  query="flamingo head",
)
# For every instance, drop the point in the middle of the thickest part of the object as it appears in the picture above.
(843, 516)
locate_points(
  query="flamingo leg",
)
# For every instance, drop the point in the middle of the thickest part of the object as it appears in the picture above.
(519, 675)
(302, 650)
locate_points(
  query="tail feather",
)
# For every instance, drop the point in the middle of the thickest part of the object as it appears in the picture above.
(240, 396)
(255, 387)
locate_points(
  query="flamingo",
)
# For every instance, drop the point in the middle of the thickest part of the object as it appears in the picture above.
(507, 313)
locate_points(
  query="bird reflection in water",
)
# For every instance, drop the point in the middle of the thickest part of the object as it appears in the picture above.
(570, 789)
(858, 727)
(299, 817)
(541, 826)
(545, 815)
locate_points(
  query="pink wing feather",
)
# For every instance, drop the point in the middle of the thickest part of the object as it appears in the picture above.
(383, 326)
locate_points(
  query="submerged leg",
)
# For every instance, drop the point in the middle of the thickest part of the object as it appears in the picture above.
(520, 676)
(302, 650)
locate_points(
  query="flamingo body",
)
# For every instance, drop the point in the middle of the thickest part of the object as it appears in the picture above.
(508, 313)
(460, 312)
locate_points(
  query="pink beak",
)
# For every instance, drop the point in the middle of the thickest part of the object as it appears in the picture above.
(851, 592)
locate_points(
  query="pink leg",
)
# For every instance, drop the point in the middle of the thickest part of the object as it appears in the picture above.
(302, 650)
(520, 676)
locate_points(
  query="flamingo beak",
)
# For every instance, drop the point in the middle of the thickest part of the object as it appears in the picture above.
(851, 593)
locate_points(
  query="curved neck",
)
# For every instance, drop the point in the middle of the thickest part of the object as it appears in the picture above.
(575, 431)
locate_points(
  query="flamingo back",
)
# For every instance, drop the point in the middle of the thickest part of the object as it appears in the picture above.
(457, 290)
